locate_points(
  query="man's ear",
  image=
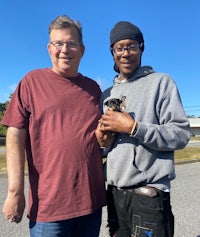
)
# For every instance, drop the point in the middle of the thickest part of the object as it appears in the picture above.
(83, 49)
(49, 48)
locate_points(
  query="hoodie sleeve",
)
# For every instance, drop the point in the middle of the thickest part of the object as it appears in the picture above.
(172, 130)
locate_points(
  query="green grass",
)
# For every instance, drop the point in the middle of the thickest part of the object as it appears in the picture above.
(2, 162)
(186, 154)
(194, 138)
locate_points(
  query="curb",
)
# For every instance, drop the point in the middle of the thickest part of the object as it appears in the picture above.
(182, 162)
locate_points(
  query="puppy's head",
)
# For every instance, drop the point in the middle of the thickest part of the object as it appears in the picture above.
(113, 104)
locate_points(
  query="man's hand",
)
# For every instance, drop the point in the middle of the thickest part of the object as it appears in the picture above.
(105, 139)
(14, 206)
(116, 122)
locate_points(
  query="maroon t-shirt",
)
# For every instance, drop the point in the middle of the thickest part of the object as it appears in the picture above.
(65, 167)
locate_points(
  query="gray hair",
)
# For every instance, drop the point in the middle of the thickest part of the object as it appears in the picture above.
(63, 22)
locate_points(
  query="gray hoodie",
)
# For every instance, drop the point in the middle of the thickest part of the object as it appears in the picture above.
(148, 157)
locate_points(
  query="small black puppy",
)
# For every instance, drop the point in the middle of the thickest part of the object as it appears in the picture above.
(115, 104)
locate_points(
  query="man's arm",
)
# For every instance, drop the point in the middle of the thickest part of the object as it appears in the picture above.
(15, 157)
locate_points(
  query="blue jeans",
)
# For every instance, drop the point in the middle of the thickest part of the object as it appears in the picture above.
(84, 226)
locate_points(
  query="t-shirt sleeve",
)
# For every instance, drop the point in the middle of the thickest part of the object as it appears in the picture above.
(17, 114)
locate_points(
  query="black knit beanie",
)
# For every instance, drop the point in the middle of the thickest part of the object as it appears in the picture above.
(125, 30)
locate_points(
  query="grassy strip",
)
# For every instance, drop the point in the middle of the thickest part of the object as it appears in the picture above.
(2, 162)
(184, 155)
(187, 154)
(195, 138)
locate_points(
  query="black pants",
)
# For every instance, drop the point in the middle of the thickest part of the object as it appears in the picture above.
(138, 215)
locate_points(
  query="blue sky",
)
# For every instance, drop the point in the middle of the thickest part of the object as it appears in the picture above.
(171, 32)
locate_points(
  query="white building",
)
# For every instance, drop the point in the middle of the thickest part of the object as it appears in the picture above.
(195, 126)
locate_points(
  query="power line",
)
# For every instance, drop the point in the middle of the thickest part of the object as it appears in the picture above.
(192, 106)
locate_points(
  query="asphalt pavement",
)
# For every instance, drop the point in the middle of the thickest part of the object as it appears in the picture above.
(185, 205)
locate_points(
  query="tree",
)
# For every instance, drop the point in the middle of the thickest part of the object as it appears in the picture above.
(3, 107)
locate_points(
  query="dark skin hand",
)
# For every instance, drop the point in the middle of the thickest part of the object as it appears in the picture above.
(116, 122)
(110, 123)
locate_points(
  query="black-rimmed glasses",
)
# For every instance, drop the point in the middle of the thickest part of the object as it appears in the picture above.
(132, 49)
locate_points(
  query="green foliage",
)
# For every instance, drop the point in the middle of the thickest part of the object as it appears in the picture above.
(3, 107)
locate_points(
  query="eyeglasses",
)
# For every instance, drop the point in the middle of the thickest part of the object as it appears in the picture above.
(132, 49)
(60, 44)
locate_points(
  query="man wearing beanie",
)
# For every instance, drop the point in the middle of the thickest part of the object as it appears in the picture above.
(140, 141)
